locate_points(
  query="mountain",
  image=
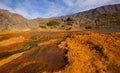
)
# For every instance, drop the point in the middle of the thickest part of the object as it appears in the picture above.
(97, 11)
(107, 16)
(12, 21)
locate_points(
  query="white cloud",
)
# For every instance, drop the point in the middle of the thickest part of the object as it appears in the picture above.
(2, 6)
(73, 2)
(33, 9)
(82, 5)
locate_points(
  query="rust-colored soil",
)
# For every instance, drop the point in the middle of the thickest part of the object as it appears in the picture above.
(60, 52)
(92, 53)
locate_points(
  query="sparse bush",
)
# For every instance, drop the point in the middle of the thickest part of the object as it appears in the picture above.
(35, 38)
(90, 27)
(53, 24)
(43, 26)
(27, 47)
(69, 19)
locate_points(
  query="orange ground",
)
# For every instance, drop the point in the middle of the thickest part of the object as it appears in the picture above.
(92, 53)
(60, 53)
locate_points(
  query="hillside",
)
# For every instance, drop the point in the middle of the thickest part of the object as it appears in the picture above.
(12, 21)
(97, 11)
(104, 17)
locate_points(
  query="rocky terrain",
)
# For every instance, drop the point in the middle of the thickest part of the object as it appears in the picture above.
(106, 17)
(115, 8)
(102, 17)
(11, 21)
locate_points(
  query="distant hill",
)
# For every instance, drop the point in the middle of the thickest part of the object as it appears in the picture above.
(97, 11)
(12, 21)
(102, 17)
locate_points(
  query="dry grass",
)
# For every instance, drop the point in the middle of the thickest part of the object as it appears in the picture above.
(82, 52)
(92, 53)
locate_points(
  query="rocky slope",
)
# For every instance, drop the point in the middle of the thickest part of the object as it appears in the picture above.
(104, 16)
(97, 11)
(11, 21)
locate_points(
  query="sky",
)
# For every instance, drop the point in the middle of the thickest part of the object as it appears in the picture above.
(31, 9)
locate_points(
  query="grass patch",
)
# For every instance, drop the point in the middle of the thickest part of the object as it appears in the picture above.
(53, 24)
(35, 38)
(41, 38)
(43, 26)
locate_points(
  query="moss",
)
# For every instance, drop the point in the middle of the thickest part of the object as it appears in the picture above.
(53, 24)
(25, 47)
(43, 26)
(35, 38)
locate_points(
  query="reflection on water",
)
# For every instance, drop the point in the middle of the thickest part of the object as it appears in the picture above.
(104, 31)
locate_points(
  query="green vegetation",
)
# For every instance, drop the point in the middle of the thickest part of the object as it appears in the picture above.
(25, 47)
(35, 38)
(69, 19)
(28, 46)
(90, 26)
(43, 26)
(53, 24)
(40, 38)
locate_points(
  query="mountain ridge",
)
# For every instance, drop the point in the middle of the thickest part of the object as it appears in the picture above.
(100, 16)
(86, 12)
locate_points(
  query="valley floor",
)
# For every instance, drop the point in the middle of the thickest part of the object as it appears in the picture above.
(52, 51)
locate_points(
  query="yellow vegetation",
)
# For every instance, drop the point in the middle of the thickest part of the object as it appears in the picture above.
(12, 41)
(9, 59)
(78, 53)
(92, 53)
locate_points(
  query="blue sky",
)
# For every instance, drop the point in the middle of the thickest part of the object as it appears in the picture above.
(51, 8)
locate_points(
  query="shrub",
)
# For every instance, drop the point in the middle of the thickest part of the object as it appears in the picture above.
(35, 38)
(42, 26)
(90, 27)
(69, 19)
(53, 23)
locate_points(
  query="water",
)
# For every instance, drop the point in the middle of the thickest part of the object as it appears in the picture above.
(104, 31)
